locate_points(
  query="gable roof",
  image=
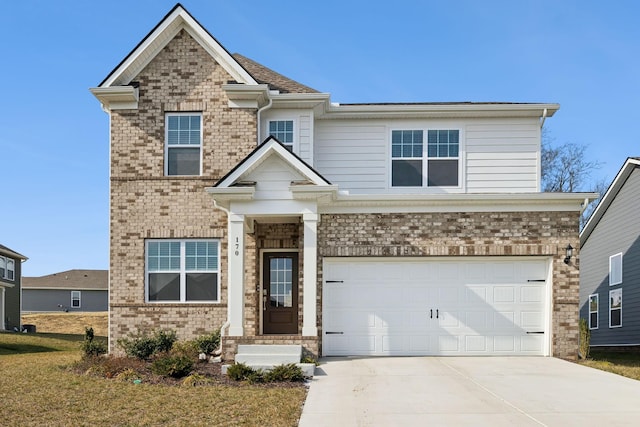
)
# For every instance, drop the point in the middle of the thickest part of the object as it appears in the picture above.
(11, 253)
(270, 146)
(176, 20)
(629, 166)
(70, 279)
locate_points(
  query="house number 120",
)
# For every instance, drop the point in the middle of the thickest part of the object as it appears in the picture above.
(237, 246)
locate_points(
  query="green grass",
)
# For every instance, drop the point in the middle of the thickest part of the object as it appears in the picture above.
(39, 388)
(625, 364)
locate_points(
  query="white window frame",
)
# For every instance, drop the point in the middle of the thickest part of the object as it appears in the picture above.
(79, 299)
(425, 157)
(619, 290)
(615, 261)
(11, 262)
(183, 272)
(596, 311)
(294, 142)
(166, 140)
(3, 266)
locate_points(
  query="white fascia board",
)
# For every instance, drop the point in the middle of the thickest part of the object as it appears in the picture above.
(608, 198)
(301, 100)
(439, 110)
(246, 96)
(117, 97)
(231, 193)
(148, 49)
(534, 202)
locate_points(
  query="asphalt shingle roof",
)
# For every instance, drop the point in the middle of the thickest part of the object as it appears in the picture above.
(276, 81)
(70, 279)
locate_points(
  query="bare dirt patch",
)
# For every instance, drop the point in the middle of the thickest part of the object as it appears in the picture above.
(68, 323)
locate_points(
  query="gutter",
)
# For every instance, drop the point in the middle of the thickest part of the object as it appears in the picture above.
(260, 110)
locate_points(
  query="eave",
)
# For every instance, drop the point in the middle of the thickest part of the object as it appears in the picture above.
(246, 96)
(117, 97)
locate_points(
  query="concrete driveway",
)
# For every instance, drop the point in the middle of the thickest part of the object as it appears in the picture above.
(468, 391)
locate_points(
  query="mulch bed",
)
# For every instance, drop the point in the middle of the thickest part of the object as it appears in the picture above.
(130, 369)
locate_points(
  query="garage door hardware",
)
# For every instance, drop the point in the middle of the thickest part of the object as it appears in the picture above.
(437, 313)
(334, 333)
(334, 281)
(536, 280)
(535, 332)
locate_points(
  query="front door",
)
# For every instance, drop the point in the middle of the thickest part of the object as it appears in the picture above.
(280, 292)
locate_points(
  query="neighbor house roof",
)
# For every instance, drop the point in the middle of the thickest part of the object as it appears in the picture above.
(629, 166)
(70, 279)
(9, 252)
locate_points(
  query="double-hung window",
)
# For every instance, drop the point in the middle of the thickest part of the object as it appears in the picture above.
(7, 268)
(406, 158)
(615, 308)
(615, 269)
(75, 299)
(183, 136)
(282, 130)
(182, 270)
(593, 311)
(414, 166)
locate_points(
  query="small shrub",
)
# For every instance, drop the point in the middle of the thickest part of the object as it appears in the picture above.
(282, 373)
(129, 375)
(140, 347)
(309, 359)
(195, 380)
(172, 366)
(242, 372)
(185, 348)
(585, 339)
(91, 347)
(164, 340)
(208, 344)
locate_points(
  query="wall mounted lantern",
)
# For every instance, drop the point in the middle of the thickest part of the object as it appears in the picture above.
(569, 253)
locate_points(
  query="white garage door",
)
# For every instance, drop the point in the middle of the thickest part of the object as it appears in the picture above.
(458, 306)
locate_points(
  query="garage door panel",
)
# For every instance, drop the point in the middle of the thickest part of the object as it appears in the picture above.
(434, 306)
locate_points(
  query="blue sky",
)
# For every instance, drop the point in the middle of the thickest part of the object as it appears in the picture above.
(584, 55)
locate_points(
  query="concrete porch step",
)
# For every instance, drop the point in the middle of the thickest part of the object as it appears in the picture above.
(265, 357)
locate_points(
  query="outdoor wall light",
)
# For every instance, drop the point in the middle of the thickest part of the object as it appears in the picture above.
(569, 252)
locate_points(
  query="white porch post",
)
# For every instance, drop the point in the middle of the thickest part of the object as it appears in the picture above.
(2, 325)
(310, 275)
(235, 282)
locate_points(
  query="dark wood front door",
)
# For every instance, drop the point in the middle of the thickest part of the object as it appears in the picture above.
(280, 292)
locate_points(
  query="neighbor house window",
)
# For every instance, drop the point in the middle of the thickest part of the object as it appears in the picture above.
(438, 163)
(3, 267)
(406, 158)
(183, 144)
(182, 270)
(593, 311)
(282, 130)
(615, 308)
(615, 269)
(75, 299)
(11, 269)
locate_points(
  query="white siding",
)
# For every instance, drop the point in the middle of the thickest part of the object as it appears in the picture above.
(302, 128)
(502, 156)
(353, 154)
(273, 177)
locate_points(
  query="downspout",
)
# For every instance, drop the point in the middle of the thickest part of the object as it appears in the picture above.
(227, 322)
(260, 110)
(544, 116)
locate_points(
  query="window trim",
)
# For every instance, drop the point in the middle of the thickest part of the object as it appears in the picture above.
(79, 299)
(597, 298)
(166, 140)
(425, 158)
(619, 290)
(182, 272)
(294, 144)
(612, 259)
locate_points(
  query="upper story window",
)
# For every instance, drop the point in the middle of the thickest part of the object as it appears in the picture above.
(182, 270)
(282, 130)
(183, 136)
(615, 269)
(410, 164)
(7, 268)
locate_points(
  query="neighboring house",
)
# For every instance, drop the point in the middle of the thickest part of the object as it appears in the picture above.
(10, 282)
(72, 290)
(610, 263)
(243, 199)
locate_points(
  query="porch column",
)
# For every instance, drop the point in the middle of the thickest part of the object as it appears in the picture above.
(235, 272)
(310, 275)
(2, 325)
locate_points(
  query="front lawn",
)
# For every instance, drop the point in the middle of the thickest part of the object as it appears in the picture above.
(625, 364)
(39, 387)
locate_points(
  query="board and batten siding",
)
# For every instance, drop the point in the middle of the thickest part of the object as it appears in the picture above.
(497, 156)
(618, 231)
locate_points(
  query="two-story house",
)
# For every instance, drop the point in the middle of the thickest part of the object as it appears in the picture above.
(244, 200)
(10, 284)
